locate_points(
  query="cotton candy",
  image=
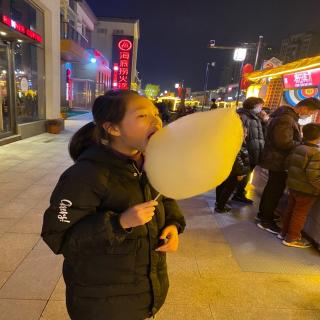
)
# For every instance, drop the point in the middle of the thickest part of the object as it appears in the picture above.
(194, 154)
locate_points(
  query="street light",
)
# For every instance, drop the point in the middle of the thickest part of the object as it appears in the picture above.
(208, 64)
(239, 55)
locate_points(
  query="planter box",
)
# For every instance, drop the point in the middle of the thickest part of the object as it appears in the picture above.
(55, 126)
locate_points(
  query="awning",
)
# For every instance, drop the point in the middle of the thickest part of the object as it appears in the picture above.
(299, 65)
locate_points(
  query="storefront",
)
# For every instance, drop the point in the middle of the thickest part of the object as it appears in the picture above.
(287, 84)
(29, 56)
(83, 81)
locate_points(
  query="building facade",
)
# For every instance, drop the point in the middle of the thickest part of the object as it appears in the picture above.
(299, 46)
(29, 60)
(85, 71)
(118, 40)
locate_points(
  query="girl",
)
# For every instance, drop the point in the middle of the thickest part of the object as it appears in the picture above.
(103, 220)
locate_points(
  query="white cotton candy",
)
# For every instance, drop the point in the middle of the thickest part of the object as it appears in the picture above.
(194, 154)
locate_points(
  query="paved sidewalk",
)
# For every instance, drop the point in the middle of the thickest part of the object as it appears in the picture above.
(225, 269)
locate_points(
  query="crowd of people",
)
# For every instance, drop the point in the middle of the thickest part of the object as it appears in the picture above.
(290, 153)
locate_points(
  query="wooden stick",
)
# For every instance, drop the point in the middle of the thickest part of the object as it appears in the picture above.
(157, 197)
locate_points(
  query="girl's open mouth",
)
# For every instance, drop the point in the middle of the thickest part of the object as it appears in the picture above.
(151, 134)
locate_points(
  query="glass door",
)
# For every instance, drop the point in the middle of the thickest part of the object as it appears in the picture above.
(5, 108)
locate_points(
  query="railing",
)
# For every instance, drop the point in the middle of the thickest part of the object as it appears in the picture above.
(69, 32)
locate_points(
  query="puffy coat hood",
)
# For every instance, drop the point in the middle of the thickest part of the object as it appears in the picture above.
(285, 110)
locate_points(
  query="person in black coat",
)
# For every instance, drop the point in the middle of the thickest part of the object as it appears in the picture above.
(283, 135)
(249, 115)
(103, 219)
(240, 169)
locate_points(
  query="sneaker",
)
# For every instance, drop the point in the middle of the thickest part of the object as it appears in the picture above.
(300, 243)
(270, 227)
(242, 199)
(226, 206)
(275, 219)
(280, 236)
(222, 210)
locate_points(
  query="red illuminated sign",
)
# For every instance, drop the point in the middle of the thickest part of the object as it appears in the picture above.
(308, 78)
(125, 45)
(115, 75)
(20, 28)
(122, 63)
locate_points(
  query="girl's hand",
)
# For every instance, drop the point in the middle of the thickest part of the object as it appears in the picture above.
(170, 234)
(138, 215)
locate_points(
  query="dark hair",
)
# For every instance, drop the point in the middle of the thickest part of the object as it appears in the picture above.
(111, 107)
(213, 100)
(251, 102)
(311, 103)
(311, 131)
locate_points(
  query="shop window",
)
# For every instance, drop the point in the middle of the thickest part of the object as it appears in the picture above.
(29, 80)
(23, 12)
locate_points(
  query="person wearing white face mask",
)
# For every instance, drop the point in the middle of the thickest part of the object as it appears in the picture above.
(283, 134)
(249, 115)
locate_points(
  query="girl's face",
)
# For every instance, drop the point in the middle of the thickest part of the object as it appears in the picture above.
(140, 122)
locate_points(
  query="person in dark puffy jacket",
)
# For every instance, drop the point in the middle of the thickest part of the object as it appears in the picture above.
(249, 115)
(304, 186)
(240, 169)
(283, 134)
(103, 219)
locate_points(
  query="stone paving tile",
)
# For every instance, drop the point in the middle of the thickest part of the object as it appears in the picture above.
(59, 291)
(264, 291)
(30, 223)
(178, 264)
(13, 248)
(21, 309)
(35, 278)
(240, 313)
(5, 224)
(184, 312)
(15, 208)
(186, 289)
(55, 310)
(3, 277)
(216, 258)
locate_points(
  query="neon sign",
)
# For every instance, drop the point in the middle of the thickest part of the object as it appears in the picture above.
(125, 45)
(68, 85)
(308, 78)
(21, 28)
(122, 53)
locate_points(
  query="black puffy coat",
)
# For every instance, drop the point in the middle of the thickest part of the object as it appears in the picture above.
(283, 134)
(255, 135)
(109, 273)
(241, 166)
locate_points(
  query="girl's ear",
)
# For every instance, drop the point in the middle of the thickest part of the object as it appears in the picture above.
(111, 129)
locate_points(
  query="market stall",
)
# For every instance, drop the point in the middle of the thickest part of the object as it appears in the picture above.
(287, 85)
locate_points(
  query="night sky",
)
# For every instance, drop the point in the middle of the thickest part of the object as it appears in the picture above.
(175, 33)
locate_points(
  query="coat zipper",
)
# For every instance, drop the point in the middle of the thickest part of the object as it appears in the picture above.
(137, 170)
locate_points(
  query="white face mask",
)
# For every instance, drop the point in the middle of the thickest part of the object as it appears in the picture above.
(305, 120)
(257, 109)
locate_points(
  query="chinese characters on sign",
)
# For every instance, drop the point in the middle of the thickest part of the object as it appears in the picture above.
(308, 78)
(122, 63)
(20, 28)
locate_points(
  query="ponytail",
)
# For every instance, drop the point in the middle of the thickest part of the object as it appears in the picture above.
(85, 137)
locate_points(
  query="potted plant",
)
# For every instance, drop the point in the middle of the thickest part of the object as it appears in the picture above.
(55, 126)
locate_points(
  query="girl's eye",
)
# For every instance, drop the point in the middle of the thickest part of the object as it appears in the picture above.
(142, 115)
